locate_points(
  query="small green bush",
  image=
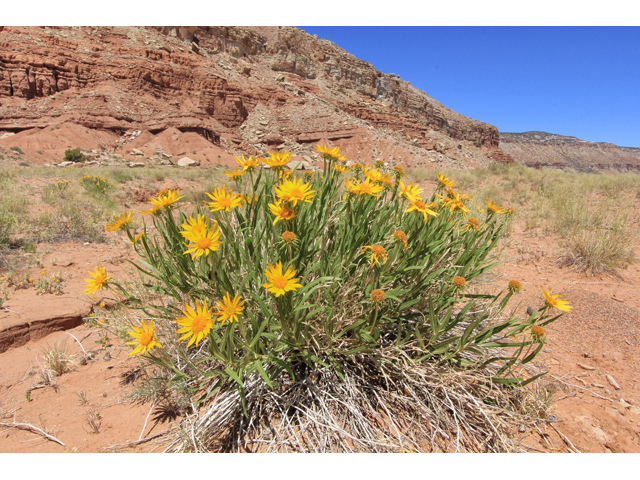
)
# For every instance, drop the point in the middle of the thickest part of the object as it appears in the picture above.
(74, 156)
(17, 150)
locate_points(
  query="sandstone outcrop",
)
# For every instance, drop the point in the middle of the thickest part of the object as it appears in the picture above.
(241, 89)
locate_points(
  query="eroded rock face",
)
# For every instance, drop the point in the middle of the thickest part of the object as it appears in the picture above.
(541, 149)
(220, 81)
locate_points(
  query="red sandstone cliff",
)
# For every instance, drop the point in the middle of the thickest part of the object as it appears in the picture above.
(239, 89)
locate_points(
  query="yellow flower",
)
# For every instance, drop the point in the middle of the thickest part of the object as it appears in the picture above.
(377, 295)
(281, 212)
(357, 167)
(372, 173)
(120, 223)
(411, 192)
(494, 207)
(277, 160)
(249, 164)
(294, 191)
(98, 281)
(555, 302)
(280, 283)
(401, 237)
(286, 173)
(331, 152)
(515, 286)
(203, 243)
(234, 174)
(342, 168)
(146, 338)
(288, 237)
(228, 309)
(538, 332)
(137, 238)
(455, 204)
(377, 251)
(398, 172)
(420, 207)
(164, 200)
(365, 188)
(472, 223)
(196, 323)
(194, 227)
(459, 281)
(445, 182)
(223, 200)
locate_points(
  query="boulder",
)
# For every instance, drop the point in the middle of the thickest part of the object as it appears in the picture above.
(188, 162)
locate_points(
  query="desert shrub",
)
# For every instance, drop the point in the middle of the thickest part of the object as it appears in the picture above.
(74, 156)
(18, 150)
(95, 184)
(316, 301)
(596, 239)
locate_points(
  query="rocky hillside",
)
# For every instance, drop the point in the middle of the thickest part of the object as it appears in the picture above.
(147, 95)
(541, 149)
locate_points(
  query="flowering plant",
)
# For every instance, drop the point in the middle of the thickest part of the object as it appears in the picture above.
(327, 271)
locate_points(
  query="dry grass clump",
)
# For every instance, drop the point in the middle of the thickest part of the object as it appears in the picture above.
(370, 408)
(57, 360)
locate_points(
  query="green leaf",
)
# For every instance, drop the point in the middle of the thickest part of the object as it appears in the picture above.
(232, 374)
(258, 365)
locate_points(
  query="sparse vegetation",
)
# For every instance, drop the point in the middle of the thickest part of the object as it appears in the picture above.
(18, 150)
(94, 420)
(592, 213)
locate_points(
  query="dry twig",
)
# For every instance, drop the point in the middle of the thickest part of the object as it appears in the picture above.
(32, 429)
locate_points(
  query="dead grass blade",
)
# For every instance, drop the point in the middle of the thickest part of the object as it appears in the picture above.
(32, 429)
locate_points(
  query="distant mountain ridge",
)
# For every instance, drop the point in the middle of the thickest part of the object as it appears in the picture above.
(542, 149)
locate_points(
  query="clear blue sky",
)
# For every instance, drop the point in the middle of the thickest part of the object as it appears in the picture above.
(577, 81)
